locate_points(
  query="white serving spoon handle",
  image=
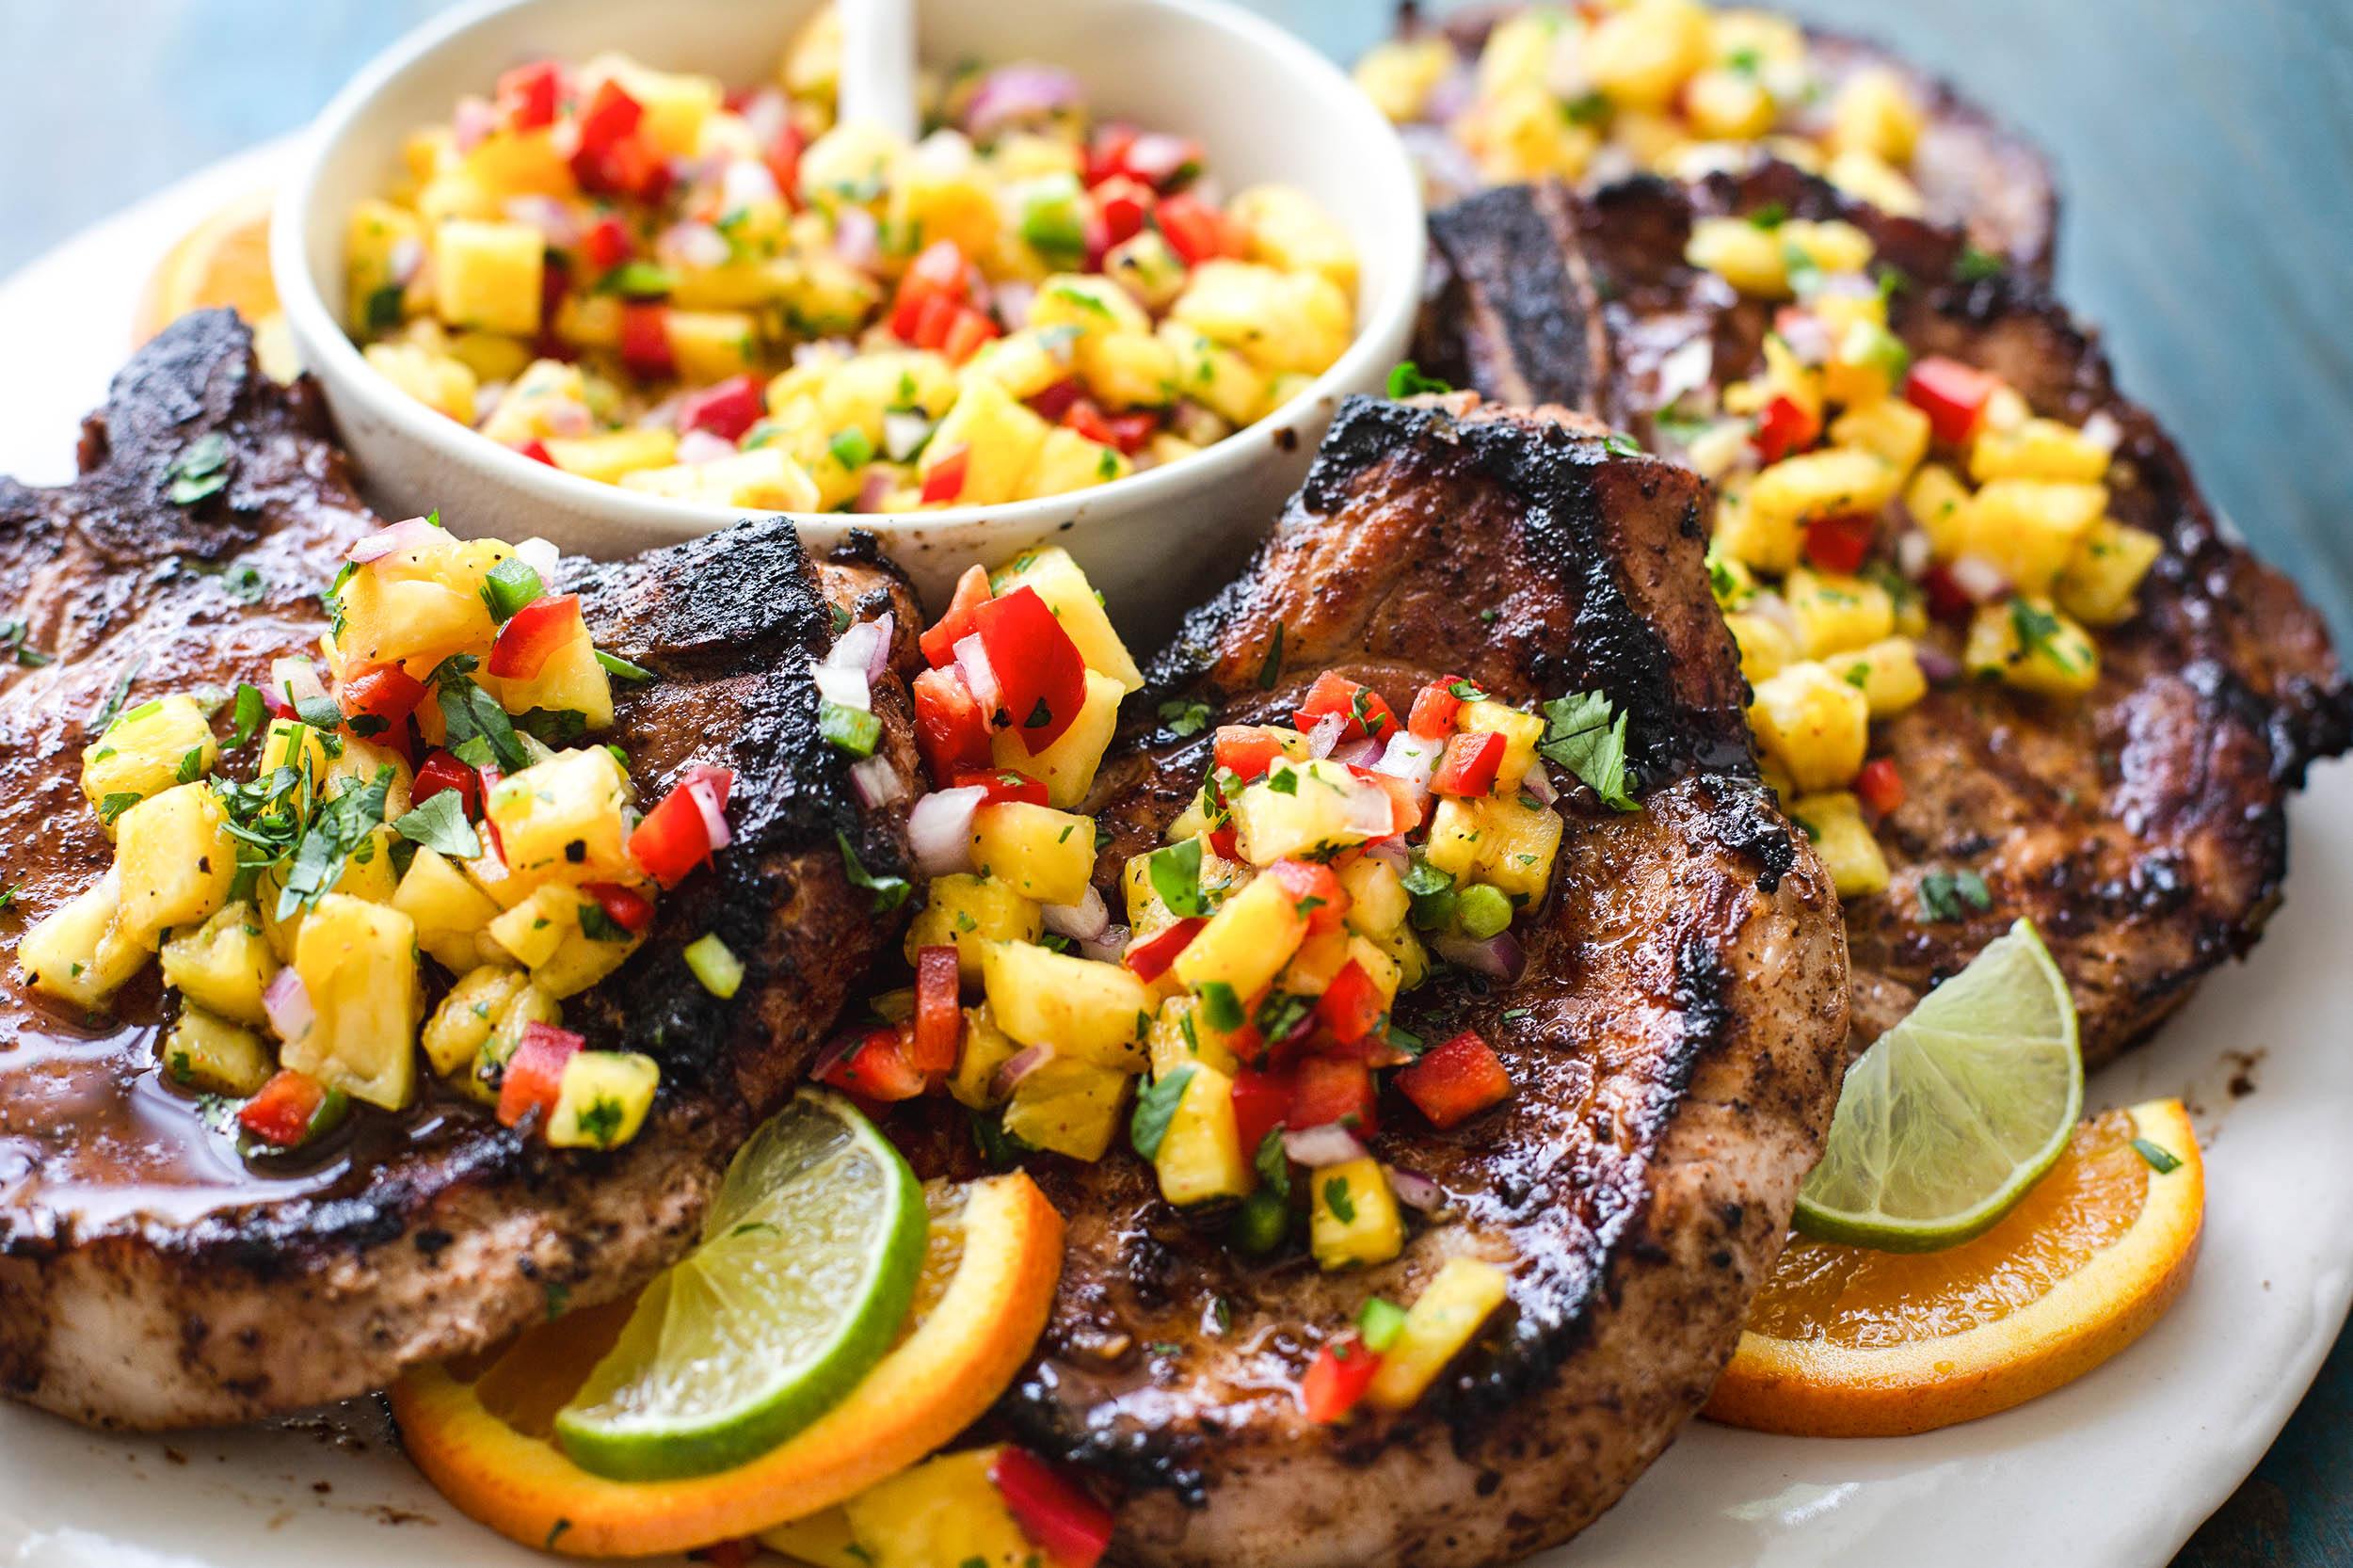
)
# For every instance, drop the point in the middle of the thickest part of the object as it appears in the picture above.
(878, 64)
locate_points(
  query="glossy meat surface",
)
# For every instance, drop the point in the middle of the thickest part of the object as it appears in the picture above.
(149, 1277)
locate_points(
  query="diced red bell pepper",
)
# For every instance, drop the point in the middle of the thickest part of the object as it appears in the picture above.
(1056, 401)
(940, 643)
(950, 726)
(1086, 416)
(606, 244)
(878, 1067)
(1315, 892)
(1456, 1080)
(933, 315)
(527, 95)
(1262, 1102)
(1948, 600)
(1469, 768)
(945, 482)
(1333, 1089)
(726, 409)
(1041, 676)
(1226, 842)
(938, 1010)
(626, 907)
(384, 692)
(1060, 1518)
(534, 1074)
(672, 840)
(1002, 785)
(1952, 394)
(532, 635)
(1247, 750)
(1337, 1378)
(1124, 205)
(1159, 160)
(1351, 1006)
(965, 334)
(1880, 785)
(441, 772)
(936, 274)
(1133, 431)
(1198, 232)
(1150, 958)
(611, 115)
(291, 1110)
(1365, 711)
(1108, 151)
(1435, 707)
(1840, 543)
(1784, 427)
(646, 339)
(1404, 806)
(536, 450)
(783, 158)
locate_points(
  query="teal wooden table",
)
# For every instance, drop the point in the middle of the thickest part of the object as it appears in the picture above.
(2206, 153)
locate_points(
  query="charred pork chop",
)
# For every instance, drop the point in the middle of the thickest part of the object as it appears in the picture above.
(2143, 827)
(1970, 171)
(1675, 1042)
(149, 1277)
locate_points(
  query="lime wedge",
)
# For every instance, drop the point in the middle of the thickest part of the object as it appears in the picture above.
(1952, 1115)
(809, 1260)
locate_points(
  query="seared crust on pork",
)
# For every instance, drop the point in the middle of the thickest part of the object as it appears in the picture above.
(149, 1277)
(1675, 1042)
(2143, 827)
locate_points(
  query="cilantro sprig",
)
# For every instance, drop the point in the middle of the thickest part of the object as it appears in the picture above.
(1585, 734)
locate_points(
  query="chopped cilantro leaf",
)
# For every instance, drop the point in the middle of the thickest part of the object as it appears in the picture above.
(1156, 1106)
(439, 824)
(1406, 380)
(1581, 735)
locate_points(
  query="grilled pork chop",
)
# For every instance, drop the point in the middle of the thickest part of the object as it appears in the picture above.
(149, 1277)
(1970, 171)
(1675, 1042)
(2144, 827)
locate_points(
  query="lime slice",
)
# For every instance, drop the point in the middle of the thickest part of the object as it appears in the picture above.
(1952, 1115)
(809, 1260)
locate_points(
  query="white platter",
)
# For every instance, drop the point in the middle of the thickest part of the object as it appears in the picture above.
(2112, 1472)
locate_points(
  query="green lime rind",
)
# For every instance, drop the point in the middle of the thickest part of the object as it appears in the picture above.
(1955, 1114)
(806, 1267)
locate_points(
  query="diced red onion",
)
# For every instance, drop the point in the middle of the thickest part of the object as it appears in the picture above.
(904, 431)
(540, 556)
(1020, 1065)
(1326, 735)
(1452, 95)
(857, 238)
(1200, 425)
(712, 810)
(940, 830)
(552, 218)
(873, 491)
(1414, 1190)
(746, 183)
(472, 121)
(295, 679)
(1912, 553)
(408, 533)
(1155, 157)
(1773, 608)
(1979, 578)
(406, 260)
(1807, 334)
(569, 418)
(1684, 369)
(1361, 753)
(766, 114)
(1935, 664)
(877, 781)
(864, 646)
(1082, 921)
(1392, 853)
(696, 244)
(1319, 1146)
(1107, 948)
(2102, 431)
(287, 1002)
(972, 658)
(1017, 94)
(1498, 957)
(1014, 299)
(1411, 758)
(878, 652)
(1537, 782)
(1445, 160)
(1370, 811)
(703, 446)
(836, 1052)
(837, 683)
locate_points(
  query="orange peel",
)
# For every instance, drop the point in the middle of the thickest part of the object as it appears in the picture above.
(481, 1432)
(1846, 1342)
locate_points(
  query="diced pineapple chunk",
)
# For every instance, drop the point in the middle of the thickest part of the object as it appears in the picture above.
(546, 395)
(1213, 376)
(1835, 611)
(1377, 902)
(2037, 449)
(1068, 461)
(450, 912)
(607, 457)
(1461, 1297)
(1319, 957)
(2029, 528)
(1887, 428)
(1069, 1105)
(1247, 942)
(175, 860)
(1744, 255)
(367, 876)
(1127, 369)
(1406, 953)
(1356, 1221)
(985, 1048)
(1278, 321)
(1088, 303)
(1001, 437)
(2109, 561)
(1201, 1157)
(2029, 644)
(1875, 111)
(564, 819)
(1289, 231)
(148, 750)
(361, 761)
(1794, 491)
(945, 1511)
(1765, 646)
(1728, 105)
(487, 276)
(1641, 55)
(224, 965)
(1496, 839)
(766, 478)
(1304, 808)
(1887, 673)
(1046, 855)
(359, 962)
(76, 954)
(564, 939)
(1067, 766)
(711, 346)
(1871, 178)
(1149, 267)
(1096, 1013)
(374, 299)
(855, 396)
(1939, 503)
(409, 620)
(469, 1014)
(601, 1099)
(528, 1005)
(216, 1056)
(966, 912)
(1018, 361)
(1814, 724)
(1400, 74)
(1833, 819)
(1521, 732)
(1182, 1035)
(1067, 593)
(440, 383)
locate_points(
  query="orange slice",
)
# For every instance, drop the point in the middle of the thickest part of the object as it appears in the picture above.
(482, 1432)
(223, 261)
(1844, 1341)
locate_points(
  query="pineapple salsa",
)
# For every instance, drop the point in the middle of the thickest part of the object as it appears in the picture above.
(347, 907)
(1601, 91)
(725, 297)
(1236, 1027)
(1865, 496)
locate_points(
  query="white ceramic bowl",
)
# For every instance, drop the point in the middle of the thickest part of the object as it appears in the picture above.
(1264, 106)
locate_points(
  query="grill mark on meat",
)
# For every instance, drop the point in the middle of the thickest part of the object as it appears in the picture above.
(2144, 827)
(150, 1279)
(1674, 1045)
(1516, 310)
